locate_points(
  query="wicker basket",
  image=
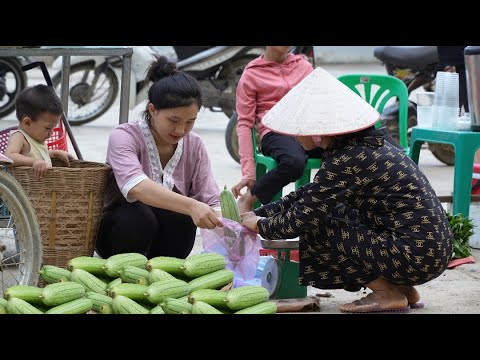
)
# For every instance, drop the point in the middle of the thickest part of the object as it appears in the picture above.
(68, 202)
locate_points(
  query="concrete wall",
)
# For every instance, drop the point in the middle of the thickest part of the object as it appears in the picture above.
(344, 54)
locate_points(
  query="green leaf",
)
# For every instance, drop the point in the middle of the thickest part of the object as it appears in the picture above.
(462, 229)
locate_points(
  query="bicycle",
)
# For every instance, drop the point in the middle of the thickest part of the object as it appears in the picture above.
(20, 239)
(20, 236)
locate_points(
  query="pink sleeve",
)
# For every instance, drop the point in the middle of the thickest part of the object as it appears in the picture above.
(204, 187)
(246, 110)
(123, 156)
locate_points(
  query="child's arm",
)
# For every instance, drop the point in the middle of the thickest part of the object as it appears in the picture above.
(62, 155)
(14, 149)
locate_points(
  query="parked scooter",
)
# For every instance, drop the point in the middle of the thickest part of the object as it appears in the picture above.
(94, 83)
(12, 81)
(416, 66)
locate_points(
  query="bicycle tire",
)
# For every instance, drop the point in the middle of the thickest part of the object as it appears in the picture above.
(27, 237)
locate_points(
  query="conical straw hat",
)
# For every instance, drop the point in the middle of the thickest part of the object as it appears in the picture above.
(320, 105)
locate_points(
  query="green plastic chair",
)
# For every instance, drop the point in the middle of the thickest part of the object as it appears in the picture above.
(386, 87)
(266, 163)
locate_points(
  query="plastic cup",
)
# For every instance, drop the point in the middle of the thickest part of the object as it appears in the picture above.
(424, 117)
(425, 109)
(446, 117)
(425, 98)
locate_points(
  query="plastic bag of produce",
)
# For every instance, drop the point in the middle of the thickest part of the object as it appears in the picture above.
(240, 247)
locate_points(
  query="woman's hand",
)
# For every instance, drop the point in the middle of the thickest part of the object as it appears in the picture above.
(204, 216)
(250, 221)
(244, 182)
(218, 211)
(247, 215)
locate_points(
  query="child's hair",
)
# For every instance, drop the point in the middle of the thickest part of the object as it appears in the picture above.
(35, 100)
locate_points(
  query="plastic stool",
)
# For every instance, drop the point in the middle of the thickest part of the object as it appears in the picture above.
(465, 144)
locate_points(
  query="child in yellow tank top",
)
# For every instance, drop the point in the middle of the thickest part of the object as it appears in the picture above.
(38, 110)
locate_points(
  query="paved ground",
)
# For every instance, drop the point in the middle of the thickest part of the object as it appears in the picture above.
(455, 291)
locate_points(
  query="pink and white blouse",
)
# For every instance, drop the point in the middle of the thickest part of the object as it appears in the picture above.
(133, 156)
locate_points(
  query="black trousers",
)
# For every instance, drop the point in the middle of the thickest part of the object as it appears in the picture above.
(291, 158)
(136, 227)
(349, 253)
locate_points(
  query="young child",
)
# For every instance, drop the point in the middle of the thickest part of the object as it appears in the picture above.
(264, 82)
(38, 110)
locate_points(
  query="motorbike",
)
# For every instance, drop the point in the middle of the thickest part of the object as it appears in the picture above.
(94, 83)
(417, 67)
(12, 81)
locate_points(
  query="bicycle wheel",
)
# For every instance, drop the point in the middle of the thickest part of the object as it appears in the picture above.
(20, 239)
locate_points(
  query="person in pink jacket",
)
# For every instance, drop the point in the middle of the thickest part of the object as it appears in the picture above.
(264, 82)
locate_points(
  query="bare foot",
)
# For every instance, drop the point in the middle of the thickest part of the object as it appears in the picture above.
(377, 301)
(245, 202)
(412, 295)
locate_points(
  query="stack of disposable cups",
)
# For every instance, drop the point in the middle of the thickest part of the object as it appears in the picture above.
(446, 101)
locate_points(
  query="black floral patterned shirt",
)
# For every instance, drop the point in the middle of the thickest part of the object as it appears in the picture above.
(365, 173)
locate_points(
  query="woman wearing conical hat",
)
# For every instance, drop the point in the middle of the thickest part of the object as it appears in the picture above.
(370, 218)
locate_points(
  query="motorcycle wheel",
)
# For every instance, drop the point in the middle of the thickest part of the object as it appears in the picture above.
(104, 95)
(443, 152)
(231, 138)
(232, 74)
(15, 81)
(393, 127)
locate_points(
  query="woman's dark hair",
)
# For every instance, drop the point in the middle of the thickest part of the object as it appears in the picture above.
(35, 100)
(171, 88)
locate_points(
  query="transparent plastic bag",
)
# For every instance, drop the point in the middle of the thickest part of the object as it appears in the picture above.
(240, 247)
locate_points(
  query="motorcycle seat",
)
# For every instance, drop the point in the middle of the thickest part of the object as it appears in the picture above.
(184, 52)
(407, 56)
(201, 56)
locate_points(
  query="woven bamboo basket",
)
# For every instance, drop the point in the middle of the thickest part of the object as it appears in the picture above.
(68, 202)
